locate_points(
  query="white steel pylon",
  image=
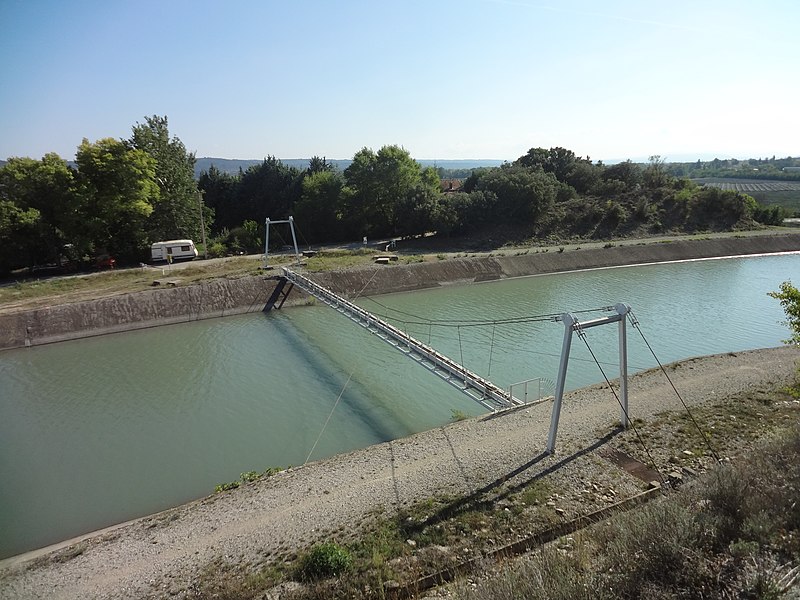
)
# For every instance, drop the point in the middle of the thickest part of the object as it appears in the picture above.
(290, 221)
(571, 324)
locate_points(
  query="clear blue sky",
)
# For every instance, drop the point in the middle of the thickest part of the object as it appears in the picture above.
(445, 79)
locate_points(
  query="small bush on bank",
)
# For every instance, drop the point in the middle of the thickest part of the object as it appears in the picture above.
(323, 561)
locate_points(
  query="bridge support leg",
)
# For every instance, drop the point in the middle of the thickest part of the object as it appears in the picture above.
(569, 321)
(280, 293)
(623, 310)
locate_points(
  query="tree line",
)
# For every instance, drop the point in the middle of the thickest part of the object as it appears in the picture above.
(122, 195)
(119, 196)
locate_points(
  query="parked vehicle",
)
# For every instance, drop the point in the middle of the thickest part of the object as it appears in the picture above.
(173, 250)
(106, 261)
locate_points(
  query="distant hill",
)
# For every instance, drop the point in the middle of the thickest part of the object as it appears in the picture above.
(232, 165)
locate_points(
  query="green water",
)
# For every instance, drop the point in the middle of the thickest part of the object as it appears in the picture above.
(101, 430)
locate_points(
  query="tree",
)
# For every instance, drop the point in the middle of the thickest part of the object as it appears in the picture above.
(48, 187)
(627, 172)
(219, 195)
(270, 189)
(118, 186)
(320, 206)
(655, 175)
(523, 194)
(17, 227)
(789, 297)
(317, 165)
(558, 161)
(378, 182)
(176, 207)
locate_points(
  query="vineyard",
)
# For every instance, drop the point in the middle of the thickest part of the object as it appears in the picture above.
(748, 186)
(769, 193)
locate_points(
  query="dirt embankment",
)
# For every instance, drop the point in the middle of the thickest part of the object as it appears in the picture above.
(223, 297)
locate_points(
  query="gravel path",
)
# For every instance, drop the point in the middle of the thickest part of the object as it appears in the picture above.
(160, 555)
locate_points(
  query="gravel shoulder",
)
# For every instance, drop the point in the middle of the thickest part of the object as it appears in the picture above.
(161, 555)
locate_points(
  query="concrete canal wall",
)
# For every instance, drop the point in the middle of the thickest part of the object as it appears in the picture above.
(150, 308)
(384, 279)
(221, 298)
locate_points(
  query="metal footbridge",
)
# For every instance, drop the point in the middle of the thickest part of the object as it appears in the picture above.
(476, 387)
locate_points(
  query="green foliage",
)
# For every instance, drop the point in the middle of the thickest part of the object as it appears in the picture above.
(714, 209)
(176, 209)
(770, 215)
(628, 173)
(320, 207)
(224, 487)
(656, 175)
(523, 194)
(249, 476)
(386, 187)
(323, 561)
(17, 228)
(562, 163)
(458, 415)
(118, 188)
(46, 186)
(789, 297)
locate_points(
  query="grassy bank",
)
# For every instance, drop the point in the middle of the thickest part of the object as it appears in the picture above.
(732, 530)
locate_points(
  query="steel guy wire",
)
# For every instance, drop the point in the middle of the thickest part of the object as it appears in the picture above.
(582, 334)
(635, 323)
(329, 416)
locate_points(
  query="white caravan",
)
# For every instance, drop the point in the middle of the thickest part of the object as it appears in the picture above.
(173, 250)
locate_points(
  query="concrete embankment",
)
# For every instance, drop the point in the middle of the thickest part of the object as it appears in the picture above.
(150, 308)
(220, 298)
(383, 280)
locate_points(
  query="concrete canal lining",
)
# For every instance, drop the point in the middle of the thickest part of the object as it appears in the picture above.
(225, 297)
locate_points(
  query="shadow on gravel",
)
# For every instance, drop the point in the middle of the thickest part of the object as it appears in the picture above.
(483, 498)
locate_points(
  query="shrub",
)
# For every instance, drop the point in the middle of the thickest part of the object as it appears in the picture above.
(224, 487)
(249, 476)
(324, 560)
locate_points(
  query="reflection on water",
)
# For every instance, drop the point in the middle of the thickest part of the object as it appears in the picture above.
(101, 430)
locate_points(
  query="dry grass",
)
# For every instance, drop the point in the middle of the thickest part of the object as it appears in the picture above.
(715, 539)
(31, 293)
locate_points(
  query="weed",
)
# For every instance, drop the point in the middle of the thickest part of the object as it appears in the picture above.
(249, 477)
(458, 415)
(224, 487)
(323, 561)
(535, 493)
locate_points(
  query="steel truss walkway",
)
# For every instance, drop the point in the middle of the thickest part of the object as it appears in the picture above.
(479, 389)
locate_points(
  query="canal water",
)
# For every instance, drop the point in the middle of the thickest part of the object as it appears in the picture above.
(97, 431)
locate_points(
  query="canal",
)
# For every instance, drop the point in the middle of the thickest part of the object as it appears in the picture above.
(101, 430)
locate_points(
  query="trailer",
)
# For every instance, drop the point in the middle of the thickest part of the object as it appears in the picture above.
(173, 250)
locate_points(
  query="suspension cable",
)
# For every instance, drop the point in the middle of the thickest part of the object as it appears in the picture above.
(460, 348)
(491, 349)
(635, 322)
(582, 334)
(421, 320)
(300, 233)
(329, 416)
